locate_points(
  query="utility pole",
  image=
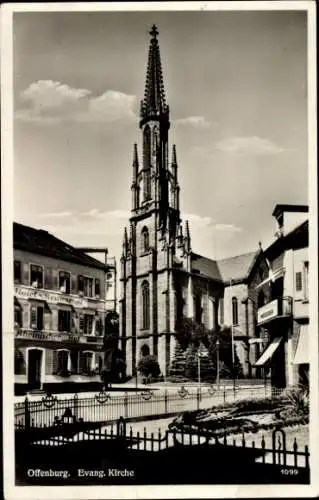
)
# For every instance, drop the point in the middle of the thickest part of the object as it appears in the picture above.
(217, 352)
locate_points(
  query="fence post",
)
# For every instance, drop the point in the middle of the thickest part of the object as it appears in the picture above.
(198, 398)
(126, 405)
(75, 406)
(26, 413)
(165, 400)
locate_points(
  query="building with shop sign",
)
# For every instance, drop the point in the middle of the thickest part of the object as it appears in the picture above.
(61, 297)
(162, 279)
(283, 300)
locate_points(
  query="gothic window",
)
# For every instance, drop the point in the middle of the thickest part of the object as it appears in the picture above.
(145, 305)
(147, 148)
(147, 185)
(235, 311)
(145, 240)
(221, 311)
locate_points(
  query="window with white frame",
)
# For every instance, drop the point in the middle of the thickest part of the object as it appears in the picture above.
(36, 276)
(63, 360)
(64, 281)
(88, 324)
(64, 320)
(86, 362)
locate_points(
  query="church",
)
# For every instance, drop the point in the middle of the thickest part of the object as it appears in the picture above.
(162, 279)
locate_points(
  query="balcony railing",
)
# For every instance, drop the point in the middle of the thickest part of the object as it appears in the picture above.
(278, 308)
(54, 336)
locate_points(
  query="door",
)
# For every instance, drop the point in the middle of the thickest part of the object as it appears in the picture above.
(34, 368)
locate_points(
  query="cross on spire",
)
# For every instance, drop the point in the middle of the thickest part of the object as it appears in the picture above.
(154, 31)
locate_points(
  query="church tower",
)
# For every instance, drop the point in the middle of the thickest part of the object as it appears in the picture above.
(154, 235)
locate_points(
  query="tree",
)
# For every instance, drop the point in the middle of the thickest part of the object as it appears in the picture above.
(114, 363)
(226, 367)
(148, 366)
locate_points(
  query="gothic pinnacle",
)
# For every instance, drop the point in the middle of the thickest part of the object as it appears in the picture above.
(135, 163)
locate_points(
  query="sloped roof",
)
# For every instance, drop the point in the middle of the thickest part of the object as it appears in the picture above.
(237, 268)
(206, 267)
(233, 268)
(41, 242)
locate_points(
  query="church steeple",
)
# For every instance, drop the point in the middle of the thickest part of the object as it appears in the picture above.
(154, 104)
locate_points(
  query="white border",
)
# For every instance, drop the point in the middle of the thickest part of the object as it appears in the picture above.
(171, 491)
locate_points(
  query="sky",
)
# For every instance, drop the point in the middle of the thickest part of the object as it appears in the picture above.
(236, 84)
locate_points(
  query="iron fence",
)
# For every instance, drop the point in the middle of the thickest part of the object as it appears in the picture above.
(107, 407)
(276, 452)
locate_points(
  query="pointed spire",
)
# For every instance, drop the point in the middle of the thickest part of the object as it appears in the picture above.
(135, 163)
(125, 243)
(154, 102)
(187, 238)
(174, 163)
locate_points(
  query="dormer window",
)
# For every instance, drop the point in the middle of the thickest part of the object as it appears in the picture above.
(145, 240)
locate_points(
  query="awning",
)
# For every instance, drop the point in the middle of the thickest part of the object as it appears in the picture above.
(43, 302)
(269, 352)
(302, 351)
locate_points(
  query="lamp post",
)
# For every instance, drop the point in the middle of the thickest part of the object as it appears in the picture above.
(217, 353)
(198, 367)
(232, 335)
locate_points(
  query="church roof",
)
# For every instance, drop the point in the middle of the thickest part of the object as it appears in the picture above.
(235, 268)
(206, 267)
(41, 242)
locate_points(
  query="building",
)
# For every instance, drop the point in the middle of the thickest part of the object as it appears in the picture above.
(162, 279)
(59, 313)
(283, 299)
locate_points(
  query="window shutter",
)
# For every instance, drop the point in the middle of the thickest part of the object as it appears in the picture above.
(97, 287)
(25, 274)
(74, 284)
(47, 321)
(33, 317)
(54, 362)
(298, 282)
(48, 361)
(55, 279)
(48, 279)
(81, 323)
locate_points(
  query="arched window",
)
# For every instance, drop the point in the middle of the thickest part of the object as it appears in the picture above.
(235, 311)
(147, 163)
(145, 350)
(146, 305)
(145, 240)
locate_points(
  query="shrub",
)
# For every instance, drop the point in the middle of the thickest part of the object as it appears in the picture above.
(148, 366)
